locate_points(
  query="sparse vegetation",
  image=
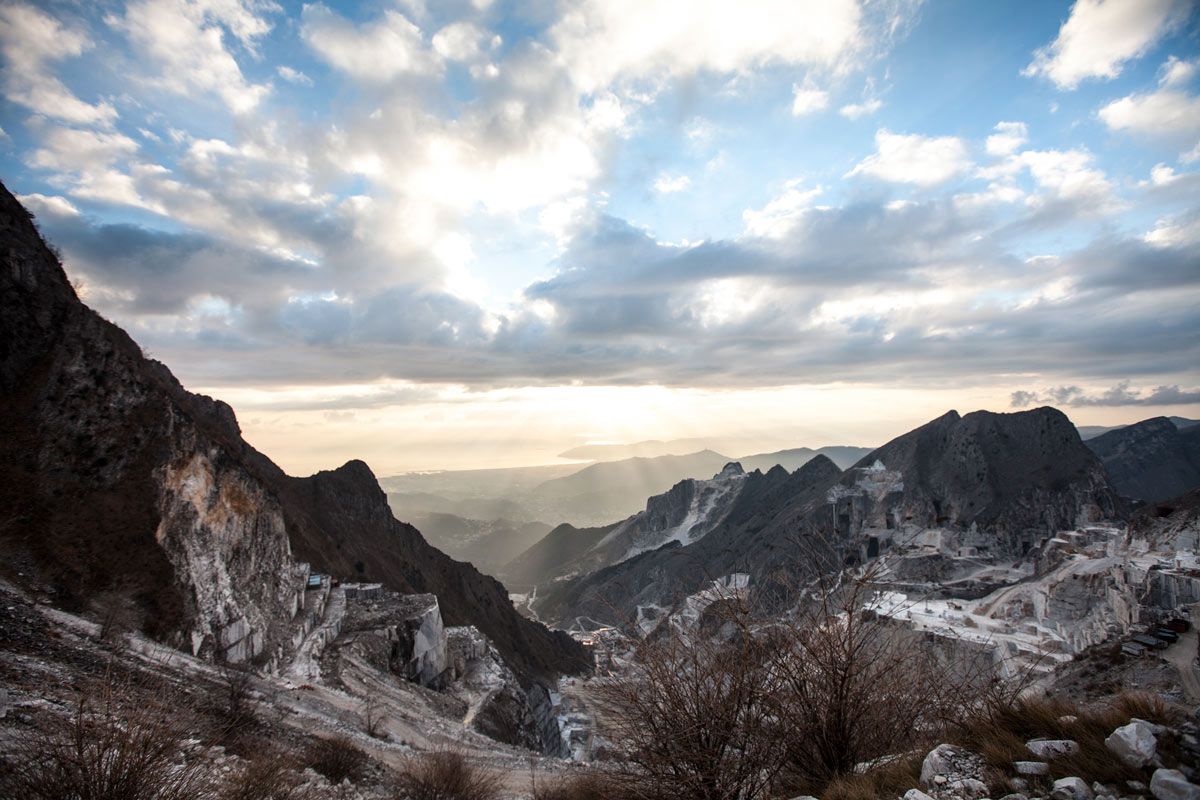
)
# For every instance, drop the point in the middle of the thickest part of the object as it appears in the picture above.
(446, 775)
(115, 744)
(336, 758)
(267, 776)
(793, 705)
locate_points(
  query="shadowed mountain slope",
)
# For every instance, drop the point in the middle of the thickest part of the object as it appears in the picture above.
(114, 478)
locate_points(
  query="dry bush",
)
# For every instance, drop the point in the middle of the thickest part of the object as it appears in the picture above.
(790, 706)
(336, 758)
(446, 775)
(583, 785)
(268, 776)
(694, 719)
(120, 742)
(890, 780)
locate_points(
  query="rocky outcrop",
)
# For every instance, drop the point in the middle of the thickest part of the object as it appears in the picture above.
(1152, 460)
(117, 481)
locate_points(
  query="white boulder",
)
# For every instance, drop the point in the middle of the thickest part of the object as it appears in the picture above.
(940, 761)
(1031, 767)
(1070, 789)
(1169, 784)
(1133, 743)
(916, 794)
(1052, 748)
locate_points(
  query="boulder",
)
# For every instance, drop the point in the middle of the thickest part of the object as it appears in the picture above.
(940, 761)
(916, 794)
(1031, 767)
(1169, 784)
(968, 789)
(1052, 748)
(1134, 744)
(1070, 789)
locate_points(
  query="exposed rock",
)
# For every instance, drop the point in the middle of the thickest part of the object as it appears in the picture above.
(125, 482)
(1070, 789)
(1152, 460)
(1170, 784)
(1133, 743)
(1031, 767)
(952, 769)
(1052, 748)
(916, 794)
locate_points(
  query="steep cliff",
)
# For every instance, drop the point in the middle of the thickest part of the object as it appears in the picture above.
(116, 481)
(1152, 460)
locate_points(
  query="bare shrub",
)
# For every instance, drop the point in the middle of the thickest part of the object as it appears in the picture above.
(694, 719)
(336, 758)
(268, 776)
(118, 743)
(584, 785)
(373, 718)
(117, 613)
(852, 686)
(740, 709)
(446, 775)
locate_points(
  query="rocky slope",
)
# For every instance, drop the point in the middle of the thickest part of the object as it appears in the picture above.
(1000, 483)
(119, 483)
(1151, 460)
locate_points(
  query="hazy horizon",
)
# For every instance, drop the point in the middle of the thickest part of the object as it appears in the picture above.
(474, 234)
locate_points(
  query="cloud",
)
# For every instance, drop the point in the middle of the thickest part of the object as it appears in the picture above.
(666, 184)
(913, 158)
(1100, 36)
(1119, 395)
(380, 51)
(808, 100)
(293, 76)
(1008, 138)
(185, 39)
(601, 42)
(29, 41)
(856, 110)
(1168, 113)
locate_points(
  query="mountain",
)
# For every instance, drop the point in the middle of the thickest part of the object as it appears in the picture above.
(653, 448)
(999, 483)
(488, 545)
(792, 460)
(1151, 460)
(1092, 431)
(548, 558)
(116, 479)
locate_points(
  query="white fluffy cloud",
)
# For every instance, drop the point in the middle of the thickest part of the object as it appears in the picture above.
(856, 110)
(185, 39)
(1100, 36)
(912, 158)
(808, 99)
(1168, 112)
(1009, 137)
(29, 39)
(378, 51)
(601, 41)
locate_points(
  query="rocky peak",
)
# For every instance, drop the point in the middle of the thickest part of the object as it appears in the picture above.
(1151, 460)
(732, 469)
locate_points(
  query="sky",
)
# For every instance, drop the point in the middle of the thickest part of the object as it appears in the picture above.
(440, 234)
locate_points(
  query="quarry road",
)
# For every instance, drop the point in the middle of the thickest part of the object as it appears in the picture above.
(304, 667)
